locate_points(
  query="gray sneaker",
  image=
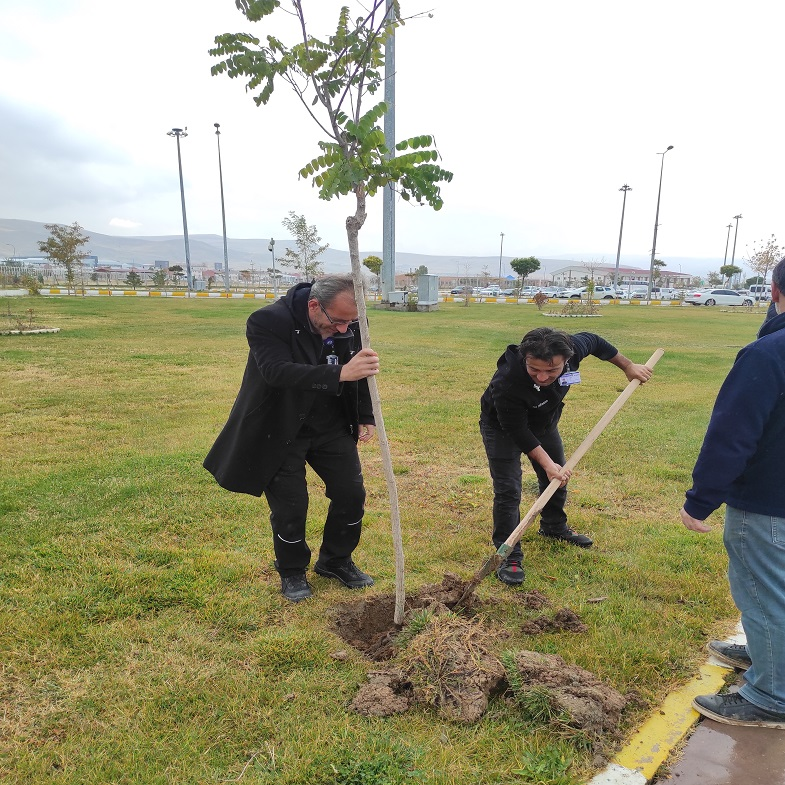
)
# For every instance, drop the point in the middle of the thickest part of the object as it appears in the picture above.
(732, 709)
(510, 571)
(732, 654)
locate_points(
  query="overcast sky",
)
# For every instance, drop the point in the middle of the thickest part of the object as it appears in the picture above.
(542, 111)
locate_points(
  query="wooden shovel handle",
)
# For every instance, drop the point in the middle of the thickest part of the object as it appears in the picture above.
(583, 448)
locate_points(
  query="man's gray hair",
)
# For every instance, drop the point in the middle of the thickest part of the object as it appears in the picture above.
(778, 274)
(325, 290)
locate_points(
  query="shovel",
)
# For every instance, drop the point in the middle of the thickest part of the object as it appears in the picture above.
(497, 558)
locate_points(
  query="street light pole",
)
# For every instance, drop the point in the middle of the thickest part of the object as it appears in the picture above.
(501, 246)
(624, 188)
(177, 133)
(656, 223)
(271, 249)
(735, 235)
(223, 208)
(727, 240)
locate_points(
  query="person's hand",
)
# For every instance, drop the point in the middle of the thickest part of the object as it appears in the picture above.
(366, 432)
(640, 372)
(364, 364)
(556, 472)
(693, 524)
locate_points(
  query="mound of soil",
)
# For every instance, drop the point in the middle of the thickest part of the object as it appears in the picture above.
(447, 665)
(368, 625)
(564, 620)
(591, 705)
(533, 599)
(386, 693)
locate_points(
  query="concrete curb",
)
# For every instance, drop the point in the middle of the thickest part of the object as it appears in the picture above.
(653, 743)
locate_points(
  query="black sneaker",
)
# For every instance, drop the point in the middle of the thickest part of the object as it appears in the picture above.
(349, 574)
(732, 709)
(511, 572)
(568, 535)
(295, 587)
(732, 654)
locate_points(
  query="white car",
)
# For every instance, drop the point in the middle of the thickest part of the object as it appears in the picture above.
(718, 297)
(489, 291)
(600, 293)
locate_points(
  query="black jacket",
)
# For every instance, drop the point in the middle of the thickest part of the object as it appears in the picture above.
(513, 403)
(282, 380)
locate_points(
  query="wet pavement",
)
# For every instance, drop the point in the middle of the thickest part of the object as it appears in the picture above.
(719, 754)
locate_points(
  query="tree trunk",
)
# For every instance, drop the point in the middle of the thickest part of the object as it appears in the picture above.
(353, 225)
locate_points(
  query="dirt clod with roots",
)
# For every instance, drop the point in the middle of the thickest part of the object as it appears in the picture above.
(589, 704)
(447, 665)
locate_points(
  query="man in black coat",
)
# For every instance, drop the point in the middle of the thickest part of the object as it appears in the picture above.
(304, 399)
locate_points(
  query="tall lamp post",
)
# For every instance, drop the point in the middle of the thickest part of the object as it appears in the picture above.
(735, 235)
(501, 246)
(271, 249)
(624, 188)
(727, 240)
(223, 208)
(177, 133)
(656, 223)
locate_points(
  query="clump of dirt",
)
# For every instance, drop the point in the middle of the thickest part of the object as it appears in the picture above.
(564, 620)
(589, 704)
(386, 693)
(447, 665)
(368, 625)
(533, 599)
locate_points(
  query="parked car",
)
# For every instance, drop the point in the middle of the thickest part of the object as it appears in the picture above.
(490, 291)
(461, 290)
(600, 293)
(761, 291)
(719, 297)
(507, 293)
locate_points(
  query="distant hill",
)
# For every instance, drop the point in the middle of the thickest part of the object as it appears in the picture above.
(21, 238)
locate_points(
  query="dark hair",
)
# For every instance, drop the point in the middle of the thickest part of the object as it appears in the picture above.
(327, 288)
(778, 274)
(545, 343)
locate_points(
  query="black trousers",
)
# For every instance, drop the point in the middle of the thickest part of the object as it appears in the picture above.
(333, 456)
(504, 462)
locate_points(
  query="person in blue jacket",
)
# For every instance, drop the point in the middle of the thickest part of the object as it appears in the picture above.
(520, 413)
(739, 465)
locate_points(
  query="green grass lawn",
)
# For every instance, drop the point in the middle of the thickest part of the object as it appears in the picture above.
(144, 638)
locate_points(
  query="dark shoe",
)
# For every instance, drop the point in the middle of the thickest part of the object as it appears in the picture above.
(568, 535)
(732, 709)
(295, 587)
(732, 654)
(511, 572)
(350, 575)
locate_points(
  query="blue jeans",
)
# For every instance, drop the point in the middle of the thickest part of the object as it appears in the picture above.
(756, 573)
(504, 462)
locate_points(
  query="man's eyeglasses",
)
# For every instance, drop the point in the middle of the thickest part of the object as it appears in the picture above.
(336, 322)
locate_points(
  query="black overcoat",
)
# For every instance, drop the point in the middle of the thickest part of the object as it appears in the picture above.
(281, 382)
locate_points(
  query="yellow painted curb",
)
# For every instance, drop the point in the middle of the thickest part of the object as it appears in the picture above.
(656, 738)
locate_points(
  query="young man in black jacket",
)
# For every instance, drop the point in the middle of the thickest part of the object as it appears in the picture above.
(520, 413)
(303, 400)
